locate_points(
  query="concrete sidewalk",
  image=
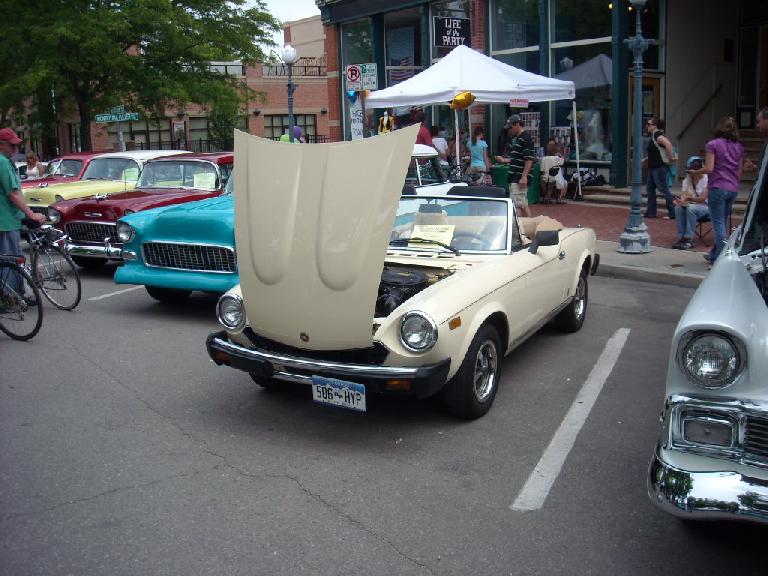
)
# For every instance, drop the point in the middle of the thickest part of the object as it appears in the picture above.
(663, 265)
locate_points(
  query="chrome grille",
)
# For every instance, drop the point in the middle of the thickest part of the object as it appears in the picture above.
(40, 210)
(90, 231)
(756, 438)
(198, 257)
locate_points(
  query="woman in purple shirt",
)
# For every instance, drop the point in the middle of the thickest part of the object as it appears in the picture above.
(724, 155)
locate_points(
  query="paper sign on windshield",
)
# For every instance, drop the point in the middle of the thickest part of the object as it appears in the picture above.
(437, 232)
(204, 181)
(131, 174)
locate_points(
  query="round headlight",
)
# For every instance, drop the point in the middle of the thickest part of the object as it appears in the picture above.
(711, 360)
(54, 216)
(418, 332)
(231, 312)
(58, 198)
(128, 212)
(124, 232)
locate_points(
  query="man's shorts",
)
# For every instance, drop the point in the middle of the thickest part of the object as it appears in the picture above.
(518, 195)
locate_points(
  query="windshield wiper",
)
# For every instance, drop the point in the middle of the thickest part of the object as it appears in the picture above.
(417, 240)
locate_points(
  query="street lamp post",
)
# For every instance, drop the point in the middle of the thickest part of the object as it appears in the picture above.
(289, 57)
(635, 238)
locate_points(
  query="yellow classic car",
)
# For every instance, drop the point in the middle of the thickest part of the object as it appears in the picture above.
(106, 174)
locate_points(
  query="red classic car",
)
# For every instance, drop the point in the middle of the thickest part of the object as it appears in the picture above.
(90, 222)
(66, 168)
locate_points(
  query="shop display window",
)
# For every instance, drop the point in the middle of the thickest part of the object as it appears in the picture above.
(589, 67)
(514, 24)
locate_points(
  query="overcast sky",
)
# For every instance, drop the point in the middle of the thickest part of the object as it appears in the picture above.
(288, 10)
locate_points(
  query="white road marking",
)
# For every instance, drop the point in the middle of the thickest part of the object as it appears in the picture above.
(539, 483)
(118, 292)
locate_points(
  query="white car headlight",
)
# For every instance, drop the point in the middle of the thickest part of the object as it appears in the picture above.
(711, 359)
(231, 312)
(54, 216)
(418, 332)
(124, 232)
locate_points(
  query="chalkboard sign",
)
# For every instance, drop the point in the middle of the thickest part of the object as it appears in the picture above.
(450, 32)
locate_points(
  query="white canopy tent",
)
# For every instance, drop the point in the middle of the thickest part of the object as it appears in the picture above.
(488, 79)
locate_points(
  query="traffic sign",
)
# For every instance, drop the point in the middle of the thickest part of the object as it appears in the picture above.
(124, 117)
(361, 77)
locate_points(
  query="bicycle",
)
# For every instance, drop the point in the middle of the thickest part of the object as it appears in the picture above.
(51, 266)
(21, 307)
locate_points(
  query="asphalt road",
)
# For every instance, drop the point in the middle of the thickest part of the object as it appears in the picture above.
(125, 451)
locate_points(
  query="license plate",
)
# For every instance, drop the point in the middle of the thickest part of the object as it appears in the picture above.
(338, 393)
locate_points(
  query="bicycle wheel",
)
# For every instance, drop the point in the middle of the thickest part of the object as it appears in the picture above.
(57, 276)
(21, 306)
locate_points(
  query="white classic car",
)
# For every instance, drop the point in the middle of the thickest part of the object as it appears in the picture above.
(356, 291)
(712, 458)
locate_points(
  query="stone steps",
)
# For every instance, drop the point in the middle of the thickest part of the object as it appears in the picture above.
(606, 195)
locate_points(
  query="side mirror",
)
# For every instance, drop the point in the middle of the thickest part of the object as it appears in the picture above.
(544, 238)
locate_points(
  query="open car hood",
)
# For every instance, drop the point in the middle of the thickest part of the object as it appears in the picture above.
(312, 225)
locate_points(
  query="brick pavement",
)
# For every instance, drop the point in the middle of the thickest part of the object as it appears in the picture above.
(608, 222)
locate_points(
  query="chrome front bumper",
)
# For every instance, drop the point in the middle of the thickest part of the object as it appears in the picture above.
(425, 380)
(105, 251)
(715, 495)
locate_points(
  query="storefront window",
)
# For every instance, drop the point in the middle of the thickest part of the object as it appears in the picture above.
(514, 24)
(581, 19)
(403, 36)
(590, 69)
(356, 48)
(447, 8)
(356, 43)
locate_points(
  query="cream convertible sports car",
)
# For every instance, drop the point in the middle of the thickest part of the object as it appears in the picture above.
(336, 296)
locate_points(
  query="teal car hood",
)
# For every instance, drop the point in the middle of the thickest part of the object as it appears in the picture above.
(210, 221)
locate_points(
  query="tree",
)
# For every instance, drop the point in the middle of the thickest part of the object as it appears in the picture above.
(146, 54)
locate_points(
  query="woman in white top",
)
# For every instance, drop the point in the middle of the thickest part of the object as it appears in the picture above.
(35, 168)
(691, 205)
(440, 144)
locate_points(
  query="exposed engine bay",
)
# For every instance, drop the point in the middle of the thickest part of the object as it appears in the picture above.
(399, 283)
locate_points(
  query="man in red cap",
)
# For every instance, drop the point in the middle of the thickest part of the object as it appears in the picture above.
(12, 205)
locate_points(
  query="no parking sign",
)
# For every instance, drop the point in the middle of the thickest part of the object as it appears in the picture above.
(361, 77)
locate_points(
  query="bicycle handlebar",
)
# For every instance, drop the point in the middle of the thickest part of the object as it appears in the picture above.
(31, 224)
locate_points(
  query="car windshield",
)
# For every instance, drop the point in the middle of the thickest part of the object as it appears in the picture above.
(180, 174)
(112, 169)
(467, 224)
(67, 168)
(429, 169)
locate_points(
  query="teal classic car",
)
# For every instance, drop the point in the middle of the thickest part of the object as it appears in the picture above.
(175, 250)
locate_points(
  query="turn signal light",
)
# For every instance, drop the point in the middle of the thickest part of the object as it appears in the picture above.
(221, 357)
(398, 385)
(454, 323)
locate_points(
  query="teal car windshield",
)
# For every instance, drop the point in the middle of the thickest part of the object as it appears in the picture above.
(180, 174)
(463, 223)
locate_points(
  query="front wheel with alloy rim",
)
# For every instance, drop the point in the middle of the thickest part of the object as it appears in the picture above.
(471, 391)
(572, 316)
(167, 295)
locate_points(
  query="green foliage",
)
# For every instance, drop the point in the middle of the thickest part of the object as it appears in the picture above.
(146, 54)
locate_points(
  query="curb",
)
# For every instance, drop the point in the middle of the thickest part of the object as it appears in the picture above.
(652, 275)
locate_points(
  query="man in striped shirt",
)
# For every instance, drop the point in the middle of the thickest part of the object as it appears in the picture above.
(519, 155)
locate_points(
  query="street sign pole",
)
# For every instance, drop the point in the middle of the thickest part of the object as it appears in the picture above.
(120, 141)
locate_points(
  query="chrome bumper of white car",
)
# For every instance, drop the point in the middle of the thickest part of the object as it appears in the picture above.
(714, 495)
